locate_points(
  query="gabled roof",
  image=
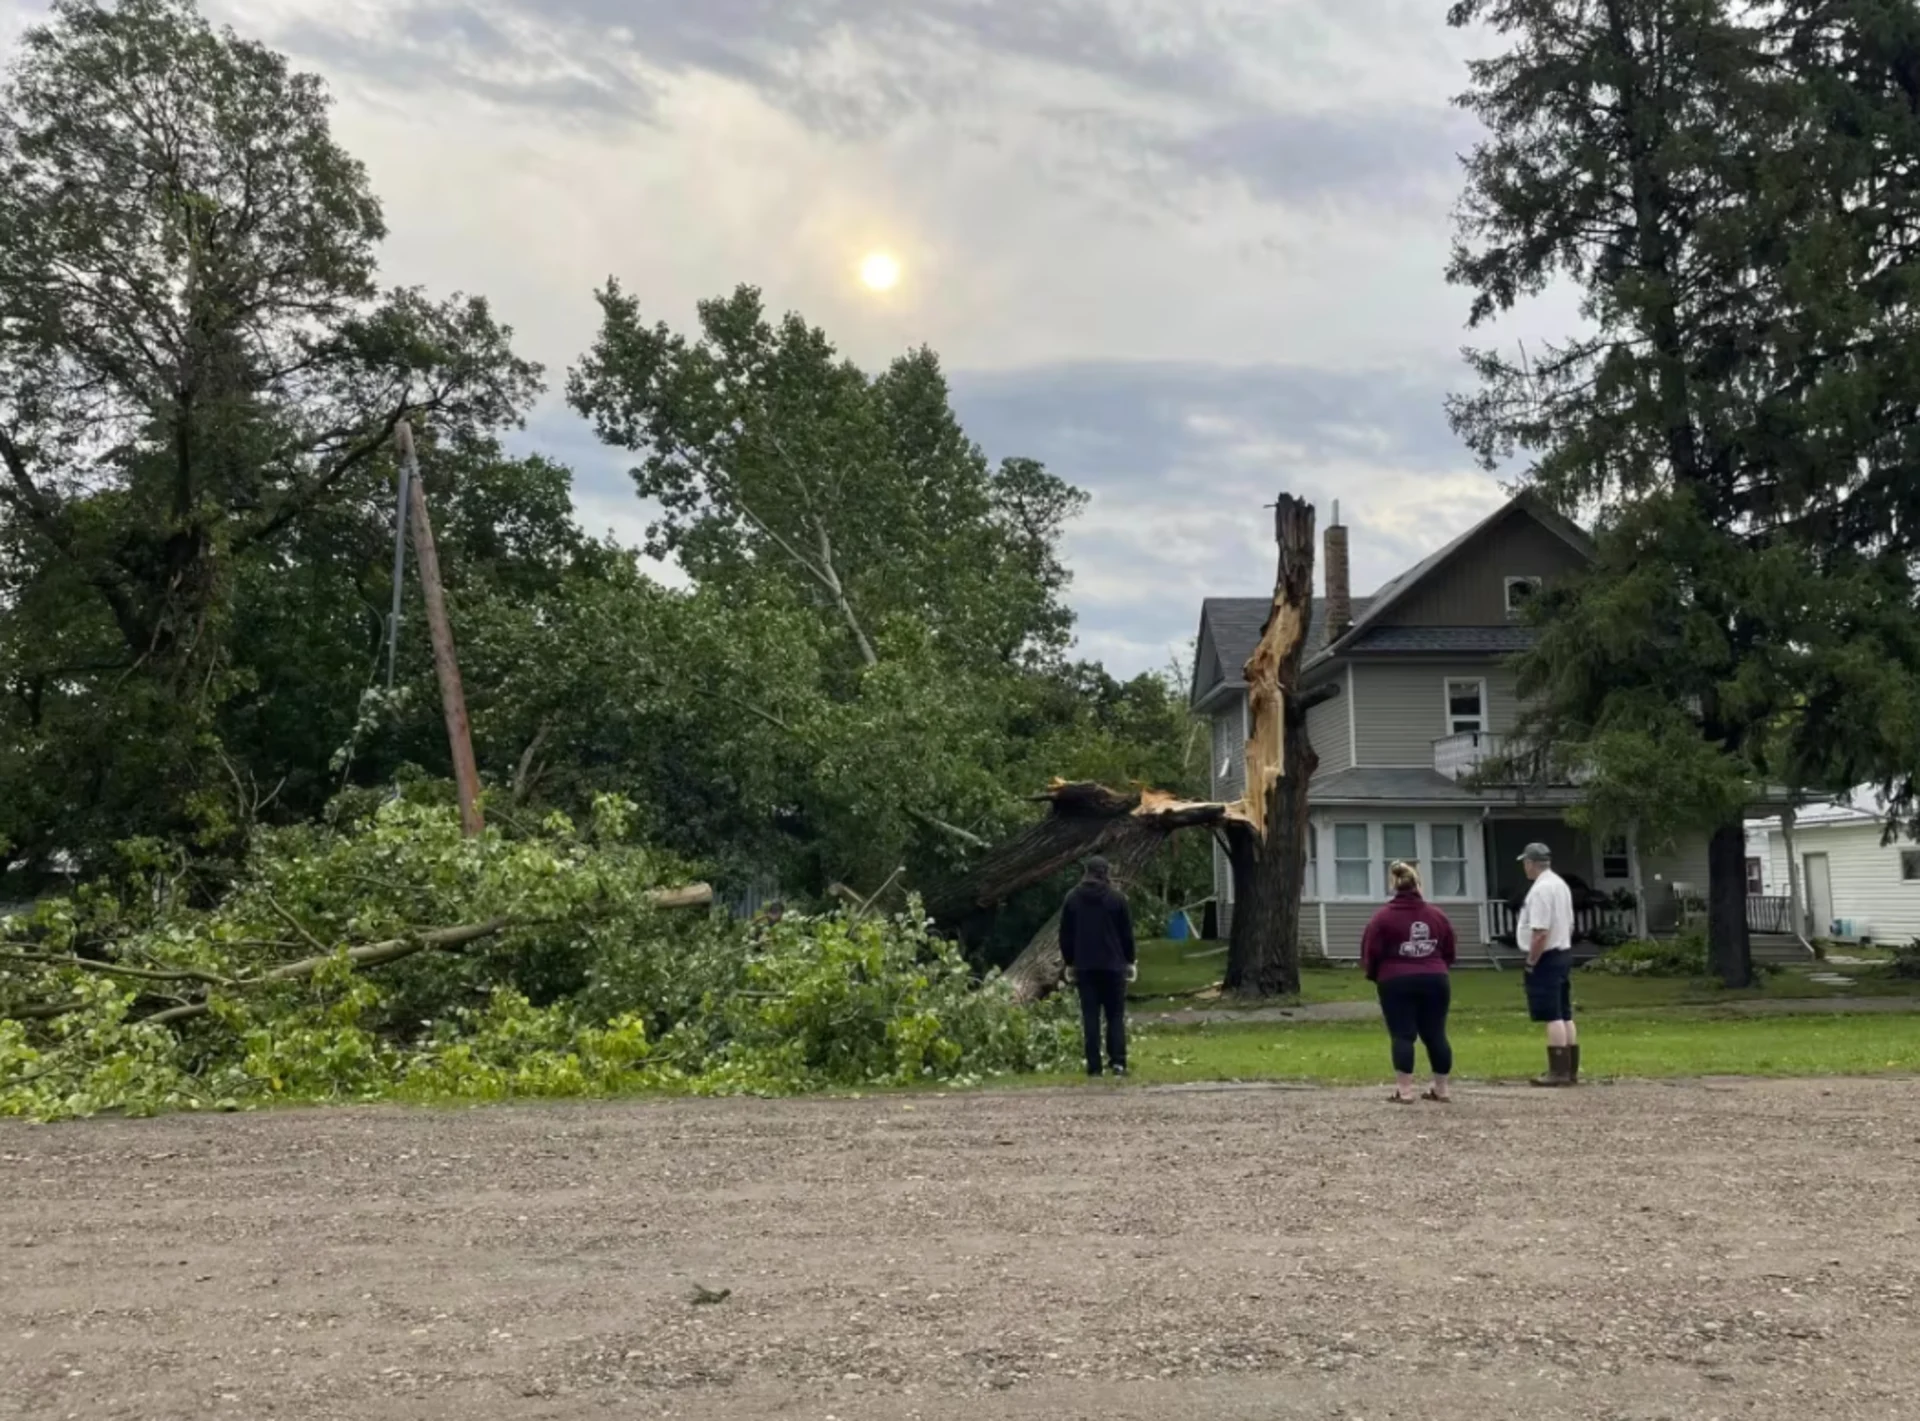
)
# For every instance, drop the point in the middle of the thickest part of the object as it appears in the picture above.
(1230, 630)
(1230, 626)
(1398, 589)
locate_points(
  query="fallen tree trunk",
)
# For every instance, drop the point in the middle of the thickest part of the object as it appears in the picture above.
(1267, 839)
(1081, 818)
(1129, 846)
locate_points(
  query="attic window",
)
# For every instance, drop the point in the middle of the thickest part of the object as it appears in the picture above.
(1520, 590)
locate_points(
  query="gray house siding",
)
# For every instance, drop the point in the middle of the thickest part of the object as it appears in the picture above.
(1345, 923)
(1229, 771)
(1327, 730)
(1400, 709)
(1470, 589)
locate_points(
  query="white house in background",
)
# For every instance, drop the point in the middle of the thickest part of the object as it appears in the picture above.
(1854, 887)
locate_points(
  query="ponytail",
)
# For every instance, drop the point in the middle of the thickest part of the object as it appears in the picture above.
(1403, 877)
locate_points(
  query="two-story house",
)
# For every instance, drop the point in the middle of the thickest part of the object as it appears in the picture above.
(1427, 694)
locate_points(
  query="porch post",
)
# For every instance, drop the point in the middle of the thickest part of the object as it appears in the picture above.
(1637, 882)
(1793, 878)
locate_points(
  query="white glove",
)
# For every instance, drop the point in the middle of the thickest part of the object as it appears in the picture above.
(1071, 979)
(1133, 974)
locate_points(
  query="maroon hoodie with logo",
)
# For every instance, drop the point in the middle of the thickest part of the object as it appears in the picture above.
(1407, 937)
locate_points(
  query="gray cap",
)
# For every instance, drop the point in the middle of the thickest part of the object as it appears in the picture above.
(1536, 853)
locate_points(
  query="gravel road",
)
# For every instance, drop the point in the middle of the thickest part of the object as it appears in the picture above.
(1620, 1253)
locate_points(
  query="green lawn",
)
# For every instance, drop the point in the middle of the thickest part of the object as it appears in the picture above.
(1633, 1027)
(1617, 1044)
(1171, 971)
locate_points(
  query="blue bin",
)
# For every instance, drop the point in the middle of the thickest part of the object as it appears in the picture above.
(1178, 928)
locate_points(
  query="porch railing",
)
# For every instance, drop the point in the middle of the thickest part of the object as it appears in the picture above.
(1768, 913)
(1497, 923)
(1503, 761)
(1457, 756)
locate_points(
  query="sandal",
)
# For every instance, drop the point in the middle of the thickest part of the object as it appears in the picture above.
(1398, 1099)
(1428, 1094)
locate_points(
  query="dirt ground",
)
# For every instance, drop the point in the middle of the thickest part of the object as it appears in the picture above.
(1684, 1251)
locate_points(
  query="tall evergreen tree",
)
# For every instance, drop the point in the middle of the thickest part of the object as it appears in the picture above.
(1733, 405)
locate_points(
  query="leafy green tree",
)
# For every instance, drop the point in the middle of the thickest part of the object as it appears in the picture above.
(770, 456)
(195, 363)
(788, 478)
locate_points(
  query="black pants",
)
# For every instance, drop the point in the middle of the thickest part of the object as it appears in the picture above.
(1416, 1007)
(1103, 994)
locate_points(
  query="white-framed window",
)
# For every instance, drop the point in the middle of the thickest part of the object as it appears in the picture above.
(1313, 861)
(1520, 591)
(1352, 861)
(1615, 861)
(1466, 706)
(1398, 843)
(1447, 866)
(1756, 879)
(1910, 865)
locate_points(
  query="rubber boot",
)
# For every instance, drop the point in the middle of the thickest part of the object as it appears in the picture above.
(1559, 1068)
(1573, 1065)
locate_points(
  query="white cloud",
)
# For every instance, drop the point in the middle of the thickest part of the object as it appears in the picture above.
(1188, 254)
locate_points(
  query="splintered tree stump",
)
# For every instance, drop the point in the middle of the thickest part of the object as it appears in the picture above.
(1267, 838)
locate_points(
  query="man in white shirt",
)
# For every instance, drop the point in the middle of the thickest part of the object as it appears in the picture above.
(1545, 930)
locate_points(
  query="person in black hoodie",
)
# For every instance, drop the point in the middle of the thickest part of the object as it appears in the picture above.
(1096, 943)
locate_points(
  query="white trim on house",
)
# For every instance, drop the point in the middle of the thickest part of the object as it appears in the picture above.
(1376, 821)
(1353, 724)
(1532, 584)
(1453, 723)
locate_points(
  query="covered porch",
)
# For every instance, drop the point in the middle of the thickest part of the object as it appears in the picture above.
(1615, 896)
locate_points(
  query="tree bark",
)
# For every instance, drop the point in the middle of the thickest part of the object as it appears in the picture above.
(1267, 840)
(1729, 948)
(1079, 818)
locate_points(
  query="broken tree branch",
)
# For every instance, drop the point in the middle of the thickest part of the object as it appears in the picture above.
(377, 954)
(1297, 708)
(523, 772)
(115, 969)
(952, 831)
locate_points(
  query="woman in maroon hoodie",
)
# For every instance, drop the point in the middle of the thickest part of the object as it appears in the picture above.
(1407, 949)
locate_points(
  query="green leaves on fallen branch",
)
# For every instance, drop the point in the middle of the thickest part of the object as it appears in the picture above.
(568, 973)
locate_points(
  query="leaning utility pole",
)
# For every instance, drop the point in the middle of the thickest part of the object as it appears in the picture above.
(453, 700)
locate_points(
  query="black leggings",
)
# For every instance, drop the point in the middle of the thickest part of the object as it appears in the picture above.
(1416, 1006)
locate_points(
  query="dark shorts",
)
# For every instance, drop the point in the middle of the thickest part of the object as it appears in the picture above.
(1550, 988)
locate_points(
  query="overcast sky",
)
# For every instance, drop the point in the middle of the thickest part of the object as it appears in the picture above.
(1187, 252)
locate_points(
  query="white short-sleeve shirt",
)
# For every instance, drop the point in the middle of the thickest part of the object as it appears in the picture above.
(1549, 905)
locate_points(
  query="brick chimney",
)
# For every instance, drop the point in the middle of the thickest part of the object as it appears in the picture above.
(1339, 588)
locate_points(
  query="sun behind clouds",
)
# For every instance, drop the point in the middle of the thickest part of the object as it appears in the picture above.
(879, 272)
